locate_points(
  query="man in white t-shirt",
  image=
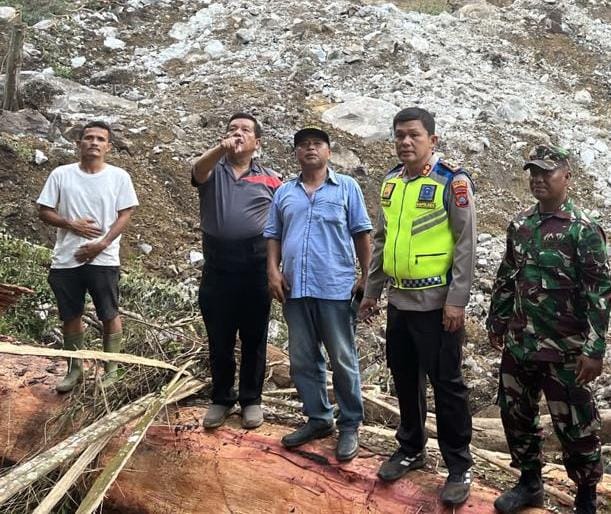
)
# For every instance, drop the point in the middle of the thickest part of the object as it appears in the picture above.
(90, 203)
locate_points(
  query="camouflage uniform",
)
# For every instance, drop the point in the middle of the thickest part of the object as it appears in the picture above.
(551, 301)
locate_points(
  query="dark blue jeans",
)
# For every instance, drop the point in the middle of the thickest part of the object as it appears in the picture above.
(313, 323)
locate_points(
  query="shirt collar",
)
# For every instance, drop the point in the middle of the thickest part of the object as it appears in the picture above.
(565, 211)
(255, 167)
(425, 171)
(331, 177)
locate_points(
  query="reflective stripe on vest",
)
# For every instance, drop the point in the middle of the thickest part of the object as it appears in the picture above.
(419, 244)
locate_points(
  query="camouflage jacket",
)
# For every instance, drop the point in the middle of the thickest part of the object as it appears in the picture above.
(552, 292)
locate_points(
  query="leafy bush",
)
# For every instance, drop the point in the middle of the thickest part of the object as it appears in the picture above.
(25, 264)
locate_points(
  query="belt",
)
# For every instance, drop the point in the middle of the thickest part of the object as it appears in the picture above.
(232, 254)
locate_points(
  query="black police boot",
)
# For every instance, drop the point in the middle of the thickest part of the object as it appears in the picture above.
(585, 500)
(528, 492)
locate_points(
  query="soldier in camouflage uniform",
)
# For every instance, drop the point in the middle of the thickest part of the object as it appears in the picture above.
(550, 312)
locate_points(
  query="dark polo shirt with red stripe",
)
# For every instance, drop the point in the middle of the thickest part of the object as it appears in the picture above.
(233, 208)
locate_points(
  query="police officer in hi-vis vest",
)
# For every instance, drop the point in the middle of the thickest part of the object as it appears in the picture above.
(424, 247)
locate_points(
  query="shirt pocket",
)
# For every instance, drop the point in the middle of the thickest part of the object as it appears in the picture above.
(585, 419)
(556, 272)
(332, 212)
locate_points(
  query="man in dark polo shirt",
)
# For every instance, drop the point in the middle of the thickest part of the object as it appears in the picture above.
(235, 194)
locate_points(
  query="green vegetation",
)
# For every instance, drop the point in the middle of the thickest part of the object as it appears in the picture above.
(62, 71)
(20, 147)
(35, 10)
(433, 7)
(26, 264)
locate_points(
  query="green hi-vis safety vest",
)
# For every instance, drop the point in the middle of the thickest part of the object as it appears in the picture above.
(419, 243)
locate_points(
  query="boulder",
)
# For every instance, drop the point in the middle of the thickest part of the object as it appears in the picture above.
(368, 118)
(7, 14)
(57, 95)
(26, 121)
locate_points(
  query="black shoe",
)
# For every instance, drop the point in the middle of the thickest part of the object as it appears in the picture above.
(313, 429)
(521, 495)
(400, 463)
(456, 489)
(585, 500)
(347, 445)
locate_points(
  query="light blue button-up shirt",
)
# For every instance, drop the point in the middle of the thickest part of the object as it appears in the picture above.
(318, 255)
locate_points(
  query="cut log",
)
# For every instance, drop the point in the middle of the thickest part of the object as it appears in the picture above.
(250, 472)
(278, 365)
(180, 468)
(488, 433)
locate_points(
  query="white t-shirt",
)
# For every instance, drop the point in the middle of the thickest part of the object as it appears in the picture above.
(99, 196)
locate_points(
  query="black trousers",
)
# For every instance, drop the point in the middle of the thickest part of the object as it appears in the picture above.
(417, 346)
(236, 303)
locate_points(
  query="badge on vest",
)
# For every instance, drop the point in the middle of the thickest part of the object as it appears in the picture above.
(426, 196)
(389, 187)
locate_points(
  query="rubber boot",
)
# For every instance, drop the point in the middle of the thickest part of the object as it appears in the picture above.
(112, 344)
(585, 500)
(527, 493)
(75, 366)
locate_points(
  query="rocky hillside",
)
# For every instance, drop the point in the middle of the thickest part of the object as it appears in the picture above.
(499, 75)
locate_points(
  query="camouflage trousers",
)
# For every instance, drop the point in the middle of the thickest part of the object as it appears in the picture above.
(572, 408)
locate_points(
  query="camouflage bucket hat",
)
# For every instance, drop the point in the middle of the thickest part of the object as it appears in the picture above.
(547, 157)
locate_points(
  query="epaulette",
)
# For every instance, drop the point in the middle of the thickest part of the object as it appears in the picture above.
(452, 166)
(394, 170)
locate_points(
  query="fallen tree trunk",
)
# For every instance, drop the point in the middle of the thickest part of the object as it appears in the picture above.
(180, 468)
(488, 433)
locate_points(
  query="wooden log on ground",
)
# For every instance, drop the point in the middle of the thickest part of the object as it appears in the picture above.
(278, 366)
(249, 471)
(180, 468)
(488, 432)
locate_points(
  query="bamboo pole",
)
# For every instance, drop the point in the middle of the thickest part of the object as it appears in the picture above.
(71, 476)
(95, 496)
(126, 358)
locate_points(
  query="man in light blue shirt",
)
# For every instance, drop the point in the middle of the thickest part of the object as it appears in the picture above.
(316, 224)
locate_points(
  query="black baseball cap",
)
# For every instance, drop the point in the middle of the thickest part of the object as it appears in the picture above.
(306, 132)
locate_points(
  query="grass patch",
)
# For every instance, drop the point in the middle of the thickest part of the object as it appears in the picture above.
(18, 147)
(62, 71)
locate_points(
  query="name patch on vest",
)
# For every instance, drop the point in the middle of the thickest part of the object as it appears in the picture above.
(426, 196)
(387, 191)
